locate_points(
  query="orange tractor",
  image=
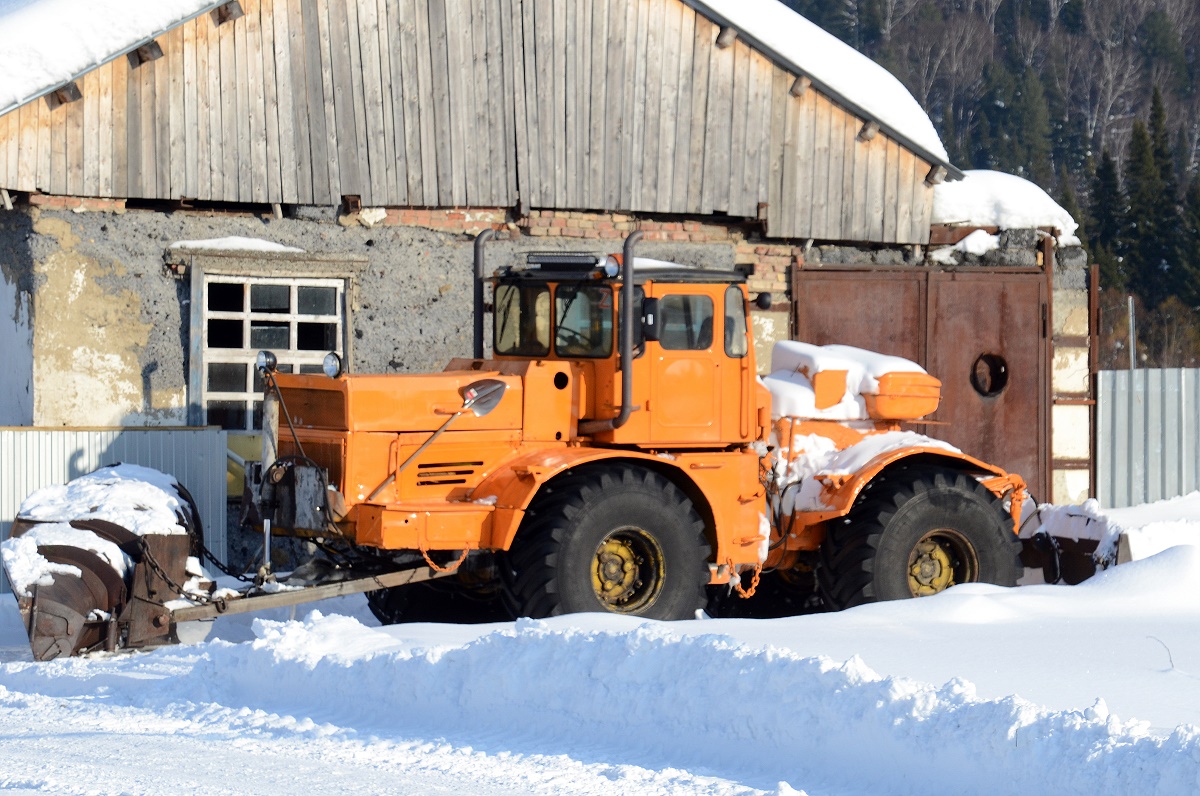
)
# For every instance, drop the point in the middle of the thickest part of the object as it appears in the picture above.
(618, 452)
(612, 455)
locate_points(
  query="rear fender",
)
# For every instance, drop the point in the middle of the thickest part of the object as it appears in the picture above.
(839, 492)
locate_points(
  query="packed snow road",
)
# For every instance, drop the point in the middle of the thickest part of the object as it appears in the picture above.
(1086, 689)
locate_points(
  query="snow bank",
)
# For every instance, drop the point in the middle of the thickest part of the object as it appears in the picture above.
(1005, 201)
(718, 707)
(137, 498)
(836, 64)
(233, 244)
(43, 43)
(537, 687)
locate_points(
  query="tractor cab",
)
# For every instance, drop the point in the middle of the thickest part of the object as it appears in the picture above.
(689, 346)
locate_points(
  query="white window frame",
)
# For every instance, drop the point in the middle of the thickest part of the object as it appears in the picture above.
(292, 356)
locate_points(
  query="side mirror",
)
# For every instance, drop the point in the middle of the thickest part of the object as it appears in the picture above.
(763, 302)
(650, 323)
(481, 397)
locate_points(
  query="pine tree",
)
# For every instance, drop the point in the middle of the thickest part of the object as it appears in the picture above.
(1031, 131)
(1147, 257)
(1105, 226)
(1071, 205)
(1190, 245)
(1166, 246)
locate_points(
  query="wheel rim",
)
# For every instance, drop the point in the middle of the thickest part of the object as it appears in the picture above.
(941, 559)
(627, 573)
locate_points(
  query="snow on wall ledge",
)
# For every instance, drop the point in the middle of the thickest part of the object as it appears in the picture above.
(993, 199)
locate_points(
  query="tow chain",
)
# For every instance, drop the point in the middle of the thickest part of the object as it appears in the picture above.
(152, 562)
(747, 593)
(451, 567)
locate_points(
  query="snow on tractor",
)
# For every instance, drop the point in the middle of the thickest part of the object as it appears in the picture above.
(617, 452)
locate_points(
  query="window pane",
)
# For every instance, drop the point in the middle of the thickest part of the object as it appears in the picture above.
(686, 323)
(522, 320)
(270, 334)
(584, 325)
(736, 344)
(259, 384)
(316, 300)
(270, 298)
(225, 297)
(227, 377)
(316, 336)
(227, 414)
(311, 369)
(256, 421)
(224, 334)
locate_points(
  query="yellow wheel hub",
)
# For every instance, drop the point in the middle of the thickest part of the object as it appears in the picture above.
(627, 573)
(939, 560)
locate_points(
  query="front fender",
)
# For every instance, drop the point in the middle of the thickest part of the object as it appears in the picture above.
(723, 486)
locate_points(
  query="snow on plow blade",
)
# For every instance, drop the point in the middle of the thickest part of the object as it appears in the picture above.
(84, 583)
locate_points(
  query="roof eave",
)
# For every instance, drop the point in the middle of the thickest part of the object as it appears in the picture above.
(207, 9)
(952, 172)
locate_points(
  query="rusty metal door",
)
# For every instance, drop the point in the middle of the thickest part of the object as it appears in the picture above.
(982, 332)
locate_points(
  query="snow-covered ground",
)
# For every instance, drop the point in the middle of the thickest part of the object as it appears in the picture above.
(1041, 689)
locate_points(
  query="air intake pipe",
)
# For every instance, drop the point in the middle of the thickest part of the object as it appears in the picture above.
(626, 350)
(480, 239)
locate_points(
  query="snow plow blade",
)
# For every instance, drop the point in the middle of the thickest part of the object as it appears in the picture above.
(90, 605)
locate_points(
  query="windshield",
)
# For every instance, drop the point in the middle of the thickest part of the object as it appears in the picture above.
(582, 320)
(585, 321)
(522, 321)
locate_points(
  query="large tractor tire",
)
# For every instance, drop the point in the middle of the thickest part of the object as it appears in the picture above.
(916, 535)
(614, 538)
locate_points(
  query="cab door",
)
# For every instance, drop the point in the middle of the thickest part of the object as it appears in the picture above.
(685, 398)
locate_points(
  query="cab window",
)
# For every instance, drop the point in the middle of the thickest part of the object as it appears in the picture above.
(522, 320)
(736, 345)
(687, 323)
(583, 321)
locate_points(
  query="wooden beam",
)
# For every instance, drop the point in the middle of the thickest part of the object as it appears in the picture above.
(227, 13)
(68, 92)
(799, 86)
(150, 51)
(936, 175)
(4, 196)
(869, 130)
(726, 37)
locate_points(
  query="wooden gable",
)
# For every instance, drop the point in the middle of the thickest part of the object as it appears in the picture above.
(614, 105)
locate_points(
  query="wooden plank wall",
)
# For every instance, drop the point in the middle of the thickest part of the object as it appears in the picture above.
(607, 105)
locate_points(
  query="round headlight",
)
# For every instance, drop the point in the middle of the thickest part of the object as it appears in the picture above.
(266, 361)
(332, 365)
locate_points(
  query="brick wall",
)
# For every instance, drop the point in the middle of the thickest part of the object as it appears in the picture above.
(767, 264)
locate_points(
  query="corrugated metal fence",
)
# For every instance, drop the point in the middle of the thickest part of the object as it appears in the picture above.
(1147, 435)
(31, 458)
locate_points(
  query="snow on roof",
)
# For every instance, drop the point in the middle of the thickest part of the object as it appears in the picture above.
(833, 64)
(994, 199)
(233, 244)
(44, 43)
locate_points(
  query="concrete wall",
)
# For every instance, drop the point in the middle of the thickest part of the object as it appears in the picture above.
(1072, 416)
(108, 323)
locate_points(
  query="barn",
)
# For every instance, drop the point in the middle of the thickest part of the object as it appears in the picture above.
(186, 181)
